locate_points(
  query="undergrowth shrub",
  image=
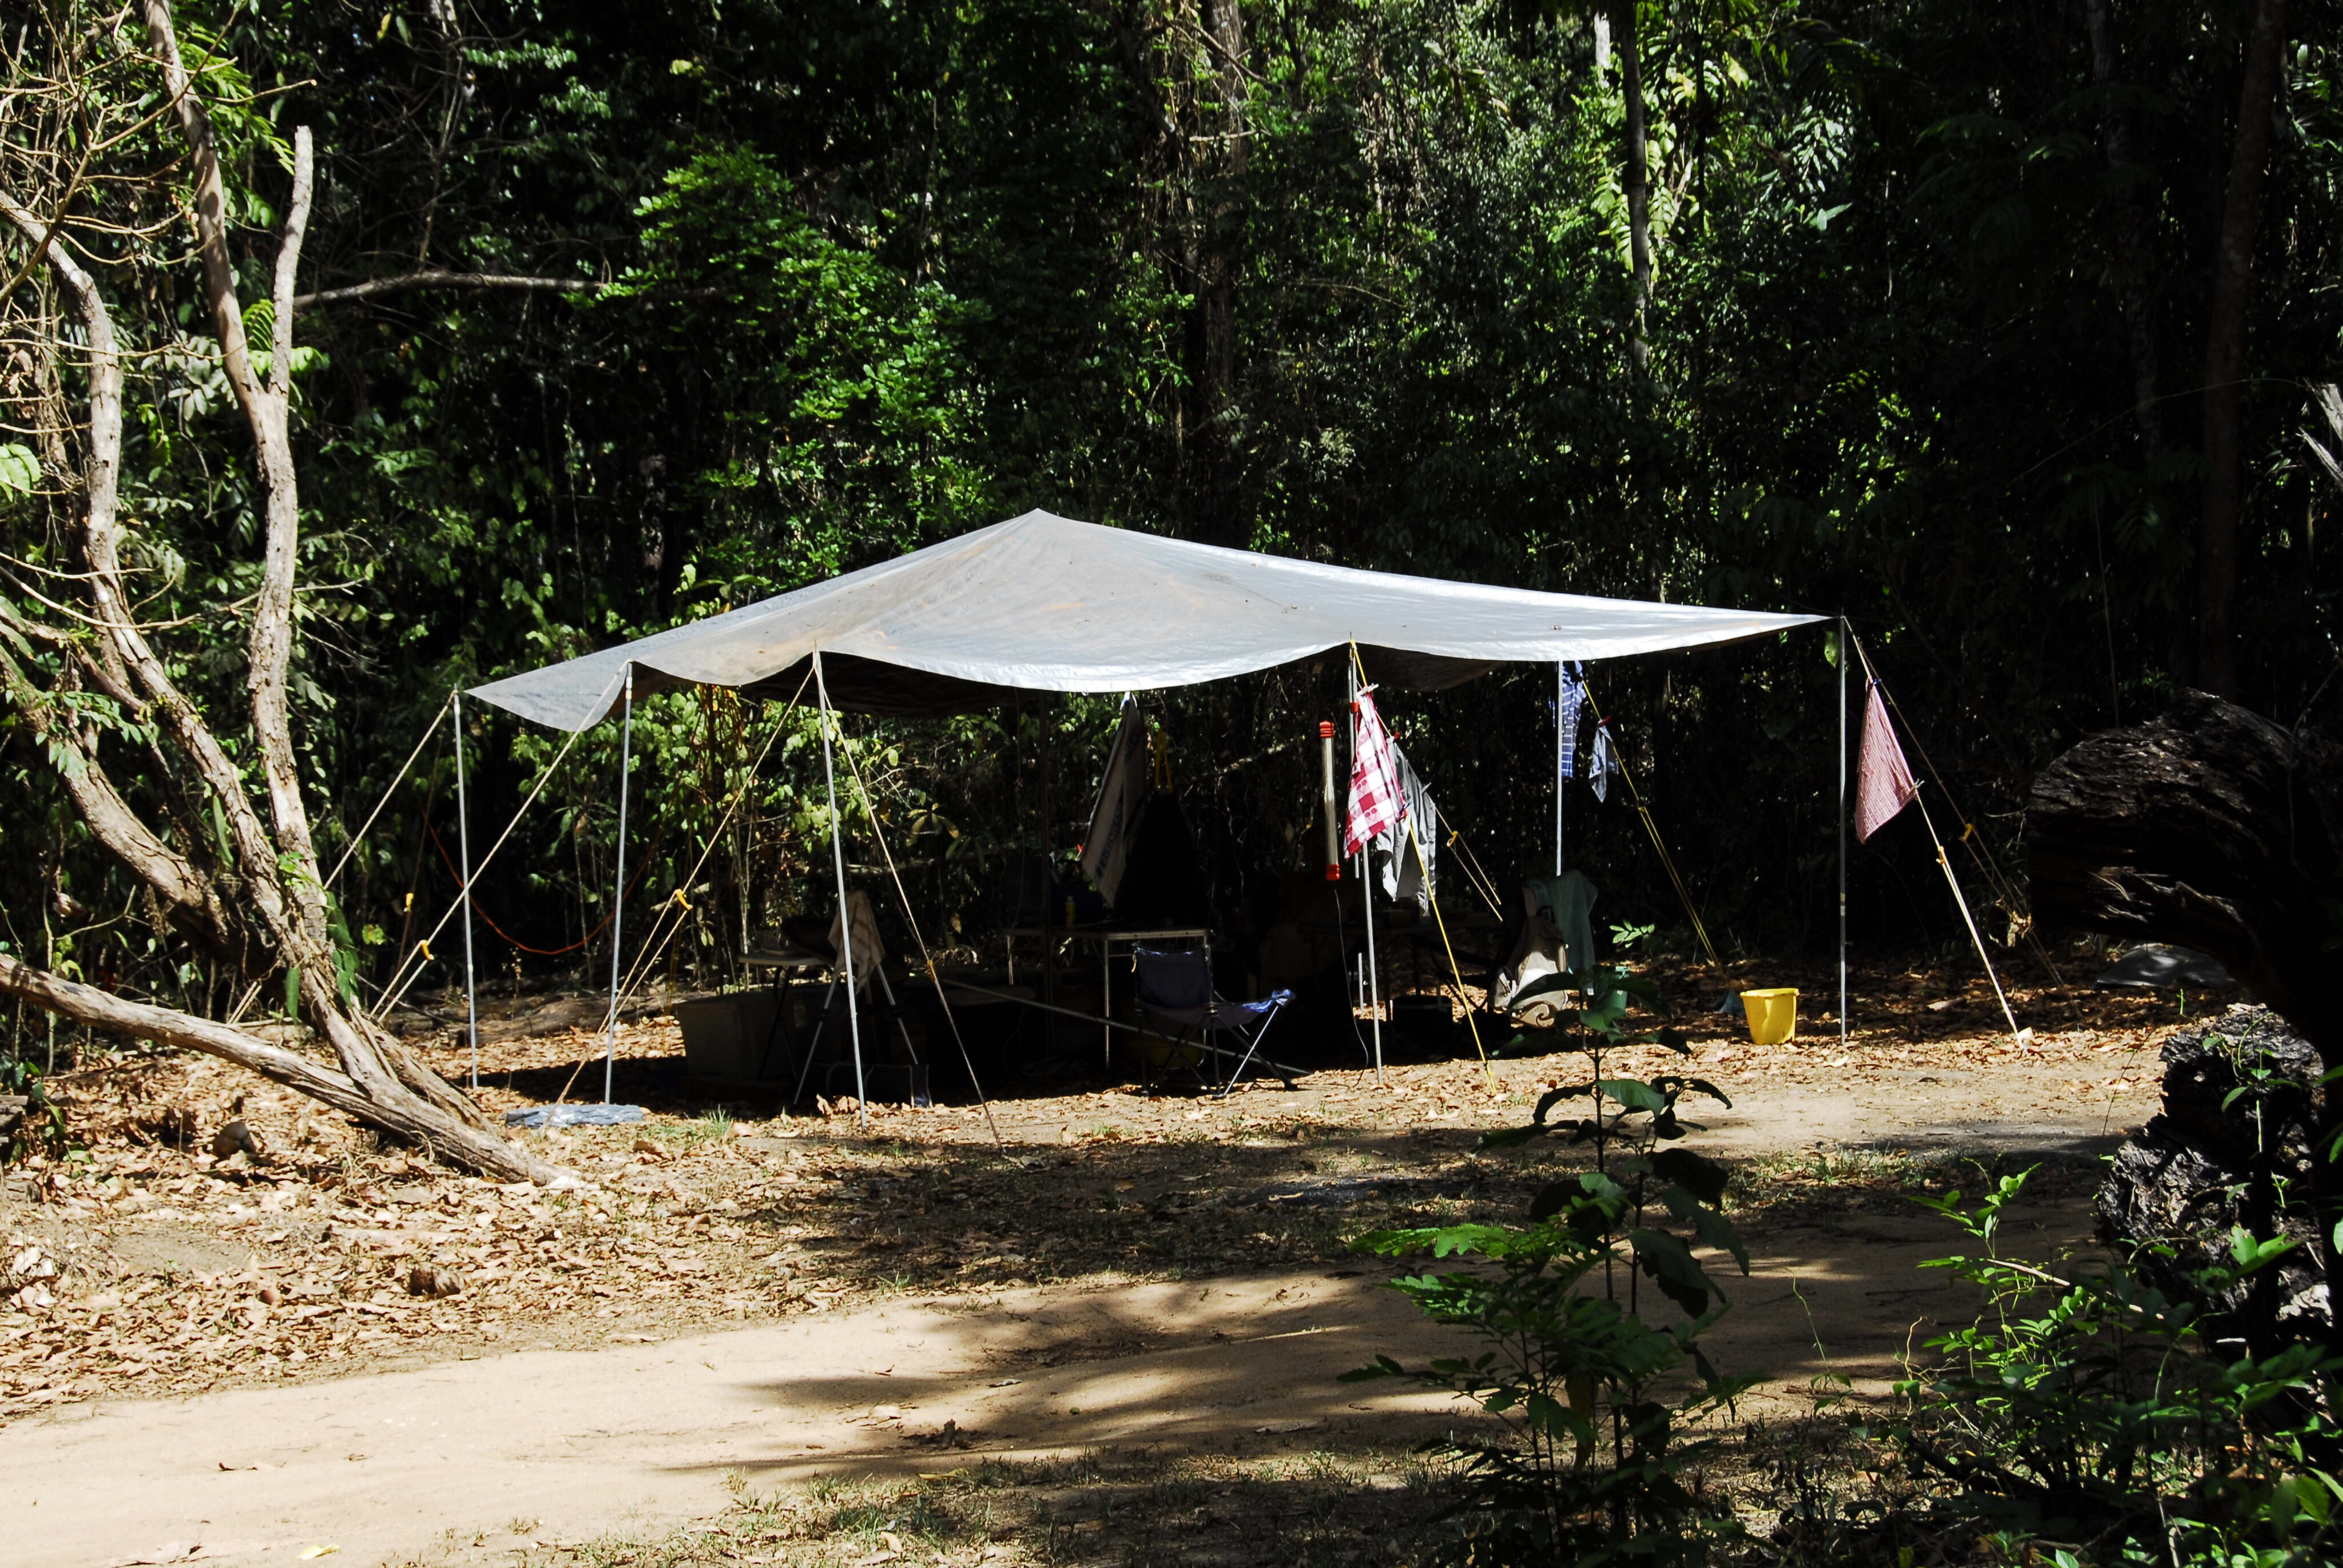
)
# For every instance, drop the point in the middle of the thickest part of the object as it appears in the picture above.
(2087, 1419)
(1588, 1463)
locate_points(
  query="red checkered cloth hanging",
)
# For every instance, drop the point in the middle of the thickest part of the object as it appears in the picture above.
(1377, 802)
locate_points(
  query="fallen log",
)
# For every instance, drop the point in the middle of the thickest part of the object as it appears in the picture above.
(2211, 828)
(2214, 828)
(428, 1120)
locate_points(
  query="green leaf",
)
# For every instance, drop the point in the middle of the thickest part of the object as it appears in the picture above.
(1634, 1094)
(20, 470)
(1702, 1176)
(2251, 1253)
(1672, 1267)
(1713, 1228)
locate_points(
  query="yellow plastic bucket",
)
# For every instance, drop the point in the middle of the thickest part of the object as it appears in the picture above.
(1773, 1014)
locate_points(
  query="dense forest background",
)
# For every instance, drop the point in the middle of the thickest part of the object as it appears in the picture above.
(617, 315)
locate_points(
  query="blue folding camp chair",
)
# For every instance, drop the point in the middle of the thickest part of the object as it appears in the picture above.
(1175, 989)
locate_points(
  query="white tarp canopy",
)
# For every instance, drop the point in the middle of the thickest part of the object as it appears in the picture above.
(1042, 603)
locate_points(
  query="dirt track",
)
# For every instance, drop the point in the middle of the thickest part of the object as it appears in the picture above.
(579, 1442)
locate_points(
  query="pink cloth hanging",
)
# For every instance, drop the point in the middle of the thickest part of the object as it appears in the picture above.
(1883, 783)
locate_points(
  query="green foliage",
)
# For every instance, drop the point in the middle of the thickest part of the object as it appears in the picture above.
(835, 387)
(1591, 1470)
(875, 274)
(1591, 1467)
(2094, 1409)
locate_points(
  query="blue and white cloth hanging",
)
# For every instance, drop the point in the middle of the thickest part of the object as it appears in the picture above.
(1572, 702)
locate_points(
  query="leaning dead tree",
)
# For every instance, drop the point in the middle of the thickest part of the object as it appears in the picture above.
(226, 861)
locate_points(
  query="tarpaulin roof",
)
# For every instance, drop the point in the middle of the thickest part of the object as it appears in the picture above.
(1042, 603)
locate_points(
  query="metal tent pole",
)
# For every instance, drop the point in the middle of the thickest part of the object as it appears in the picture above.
(1844, 650)
(619, 889)
(464, 864)
(845, 924)
(1561, 696)
(1367, 901)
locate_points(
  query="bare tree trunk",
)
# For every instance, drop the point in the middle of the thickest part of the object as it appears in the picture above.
(1628, 42)
(2225, 357)
(272, 914)
(267, 410)
(2135, 245)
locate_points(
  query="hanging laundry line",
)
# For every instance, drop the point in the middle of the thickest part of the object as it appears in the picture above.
(1376, 785)
(1569, 697)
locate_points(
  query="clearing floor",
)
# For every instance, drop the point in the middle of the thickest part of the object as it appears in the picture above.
(335, 1346)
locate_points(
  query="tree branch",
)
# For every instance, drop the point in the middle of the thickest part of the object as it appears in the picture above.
(110, 819)
(289, 261)
(211, 209)
(268, 413)
(167, 1026)
(411, 282)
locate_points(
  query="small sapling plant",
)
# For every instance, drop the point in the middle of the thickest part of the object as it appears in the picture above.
(1586, 1460)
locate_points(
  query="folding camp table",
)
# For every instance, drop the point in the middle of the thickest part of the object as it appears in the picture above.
(785, 963)
(782, 964)
(1106, 936)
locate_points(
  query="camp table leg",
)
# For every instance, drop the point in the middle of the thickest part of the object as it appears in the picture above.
(778, 1031)
(1106, 998)
(813, 1049)
(895, 1010)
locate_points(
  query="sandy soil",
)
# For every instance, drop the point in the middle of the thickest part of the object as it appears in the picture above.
(234, 1361)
